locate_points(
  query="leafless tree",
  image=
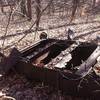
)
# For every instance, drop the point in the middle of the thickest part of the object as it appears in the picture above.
(29, 9)
(23, 7)
(38, 11)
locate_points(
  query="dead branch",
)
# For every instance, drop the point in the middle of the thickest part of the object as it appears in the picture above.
(30, 29)
(9, 19)
(41, 14)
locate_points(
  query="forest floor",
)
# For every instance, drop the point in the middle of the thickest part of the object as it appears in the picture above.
(19, 87)
(54, 25)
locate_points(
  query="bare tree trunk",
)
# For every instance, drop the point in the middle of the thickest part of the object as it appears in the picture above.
(74, 8)
(23, 8)
(29, 10)
(38, 11)
(51, 8)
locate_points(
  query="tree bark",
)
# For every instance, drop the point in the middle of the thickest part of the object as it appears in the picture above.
(86, 66)
(23, 8)
(38, 11)
(29, 10)
(74, 8)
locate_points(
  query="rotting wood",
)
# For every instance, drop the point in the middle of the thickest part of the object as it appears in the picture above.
(87, 65)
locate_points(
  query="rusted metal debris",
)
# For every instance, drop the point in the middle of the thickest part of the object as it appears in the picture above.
(55, 62)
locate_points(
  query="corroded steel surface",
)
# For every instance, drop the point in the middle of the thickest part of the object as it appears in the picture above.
(61, 79)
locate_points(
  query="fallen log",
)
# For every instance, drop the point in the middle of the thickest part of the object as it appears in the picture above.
(85, 67)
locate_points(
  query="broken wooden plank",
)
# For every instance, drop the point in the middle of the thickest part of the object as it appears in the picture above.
(87, 65)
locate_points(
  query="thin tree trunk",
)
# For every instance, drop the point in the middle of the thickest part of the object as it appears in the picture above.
(38, 11)
(74, 8)
(23, 8)
(29, 10)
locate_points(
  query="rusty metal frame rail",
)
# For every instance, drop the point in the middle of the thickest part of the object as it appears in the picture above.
(84, 87)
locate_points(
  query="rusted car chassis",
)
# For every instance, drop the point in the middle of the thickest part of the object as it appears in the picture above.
(55, 62)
